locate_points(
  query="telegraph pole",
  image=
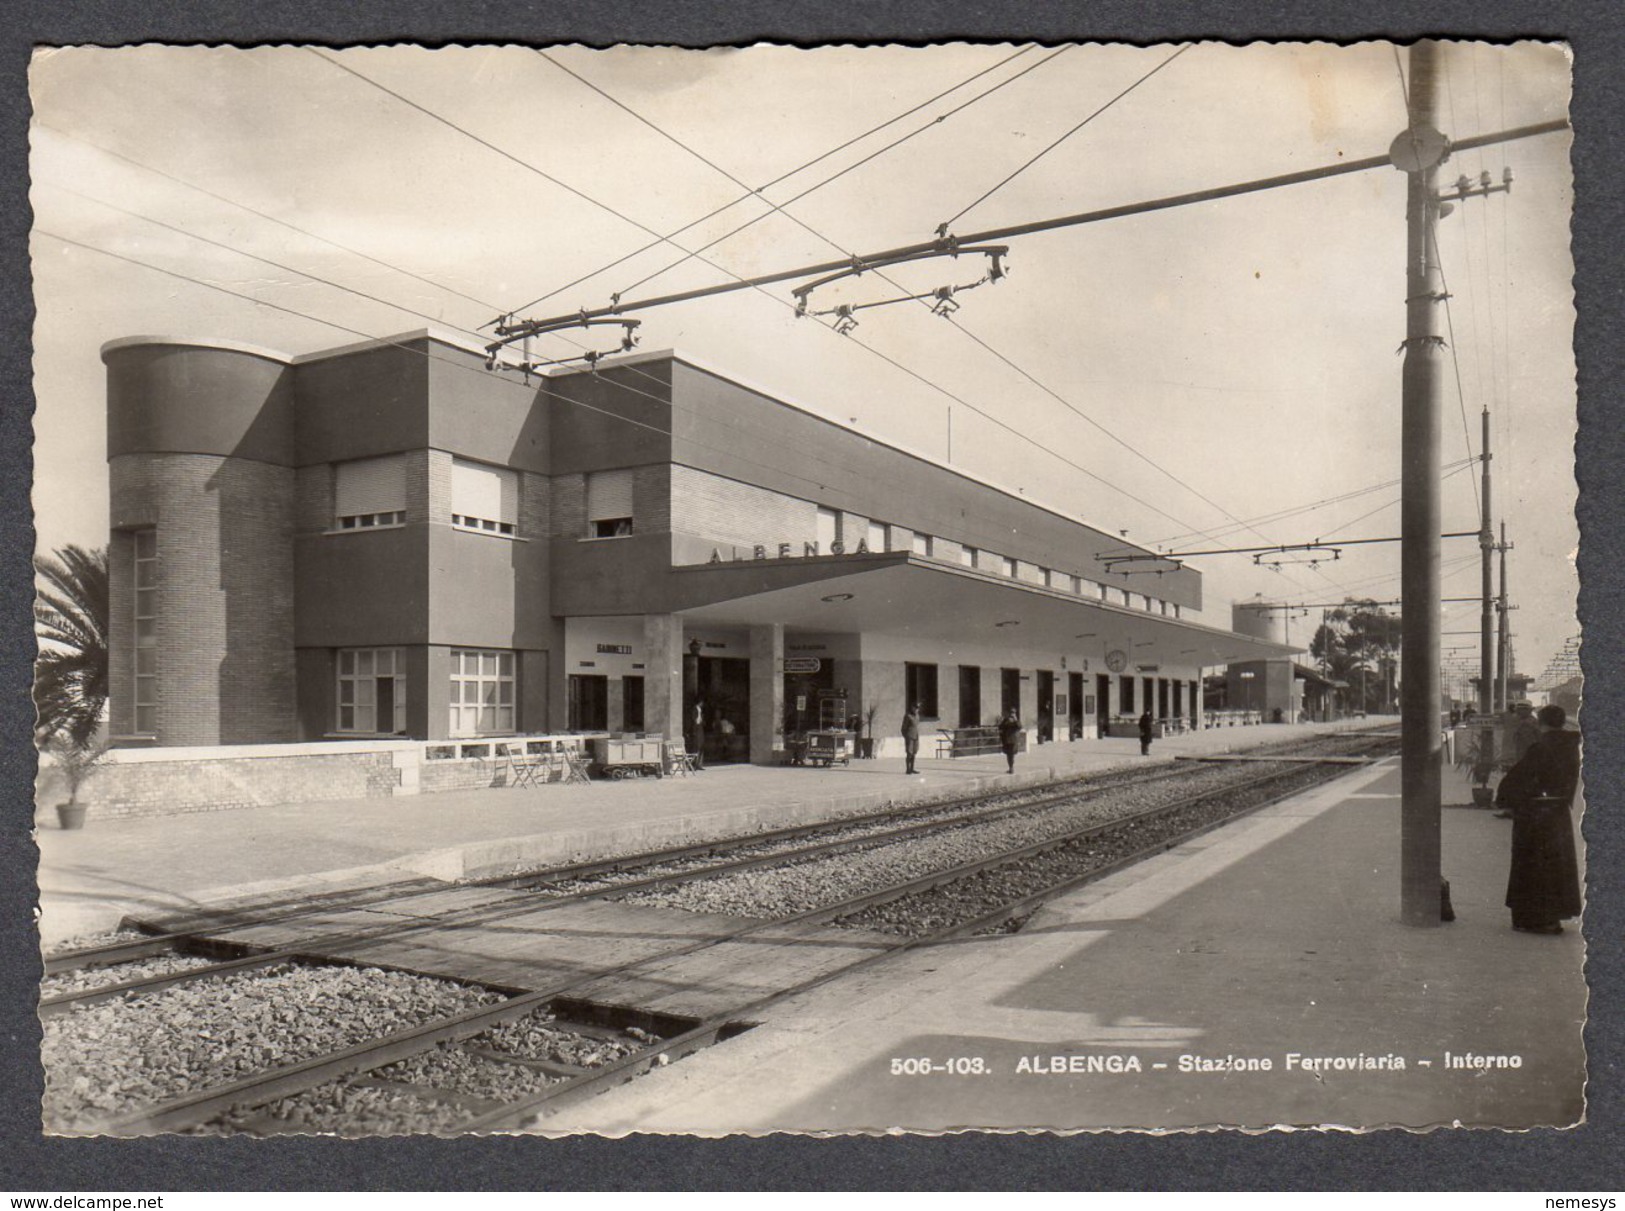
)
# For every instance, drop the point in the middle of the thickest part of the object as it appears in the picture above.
(1418, 151)
(1486, 546)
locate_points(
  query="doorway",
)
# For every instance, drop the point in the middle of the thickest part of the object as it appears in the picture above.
(1103, 714)
(1009, 692)
(589, 703)
(970, 695)
(1074, 706)
(723, 687)
(1046, 706)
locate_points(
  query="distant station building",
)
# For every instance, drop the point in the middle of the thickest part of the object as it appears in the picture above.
(1276, 688)
(387, 540)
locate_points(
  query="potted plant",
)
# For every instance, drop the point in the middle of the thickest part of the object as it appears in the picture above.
(1478, 757)
(866, 743)
(76, 763)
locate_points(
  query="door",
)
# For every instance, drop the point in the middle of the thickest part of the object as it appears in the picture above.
(1046, 706)
(632, 704)
(589, 703)
(1103, 712)
(970, 695)
(1009, 692)
(1074, 716)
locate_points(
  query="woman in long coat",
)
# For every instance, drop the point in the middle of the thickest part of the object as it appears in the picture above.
(1544, 886)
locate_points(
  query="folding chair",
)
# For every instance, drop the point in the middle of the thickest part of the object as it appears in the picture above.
(575, 767)
(677, 762)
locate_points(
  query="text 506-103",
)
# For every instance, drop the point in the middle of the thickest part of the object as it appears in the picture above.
(964, 1065)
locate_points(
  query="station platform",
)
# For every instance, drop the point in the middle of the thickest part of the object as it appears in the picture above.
(90, 878)
(1256, 977)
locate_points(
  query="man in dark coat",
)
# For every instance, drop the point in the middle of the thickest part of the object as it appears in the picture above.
(1146, 733)
(1544, 886)
(1009, 738)
(911, 736)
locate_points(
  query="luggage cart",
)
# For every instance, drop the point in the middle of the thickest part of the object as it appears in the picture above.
(829, 747)
(620, 757)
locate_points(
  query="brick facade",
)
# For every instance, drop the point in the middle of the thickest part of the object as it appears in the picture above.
(725, 511)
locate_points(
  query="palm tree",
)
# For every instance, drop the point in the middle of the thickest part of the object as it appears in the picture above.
(71, 618)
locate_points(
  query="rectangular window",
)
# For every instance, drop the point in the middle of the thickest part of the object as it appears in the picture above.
(482, 692)
(829, 529)
(1007, 566)
(875, 536)
(146, 632)
(1126, 596)
(372, 691)
(1103, 591)
(484, 499)
(921, 544)
(609, 503)
(1078, 584)
(370, 492)
(920, 688)
(967, 556)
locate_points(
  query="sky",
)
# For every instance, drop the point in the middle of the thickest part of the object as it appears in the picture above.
(1197, 377)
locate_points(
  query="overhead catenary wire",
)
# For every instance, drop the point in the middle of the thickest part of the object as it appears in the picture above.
(979, 341)
(853, 167)
(1052, 146)
(782, 177)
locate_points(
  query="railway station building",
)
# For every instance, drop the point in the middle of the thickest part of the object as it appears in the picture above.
(389, 540)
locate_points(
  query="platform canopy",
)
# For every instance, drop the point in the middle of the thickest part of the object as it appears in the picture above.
(902, 594)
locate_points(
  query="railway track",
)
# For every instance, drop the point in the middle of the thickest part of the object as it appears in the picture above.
(507, 1058)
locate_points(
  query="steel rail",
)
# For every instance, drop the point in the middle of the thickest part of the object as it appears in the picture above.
(522, 1111)
(195, 1108)
(199, 926)
(480, 915)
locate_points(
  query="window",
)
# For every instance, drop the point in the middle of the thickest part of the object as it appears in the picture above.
(829, 529)
(875, 536)
(1078, 584)
(481, 692)
(1007, 566)
(920, 688)
(1103, 591)
(967, 556)
(1125, 695)
(146, 632)
(921, 544)
(1126, 596)
(609, 503)
(484, 499)
(370, 492)
(372, 690)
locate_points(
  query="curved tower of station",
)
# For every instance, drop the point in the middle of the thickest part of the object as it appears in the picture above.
(200, 447)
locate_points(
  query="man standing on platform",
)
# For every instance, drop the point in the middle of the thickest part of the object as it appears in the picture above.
(1147, 732)
(1544, 886)
(911, 736)
(696, 733)
(1010, 737)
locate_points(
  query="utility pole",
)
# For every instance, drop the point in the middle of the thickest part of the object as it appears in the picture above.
(1418, 151)
(1486, 622)
(1503, 671)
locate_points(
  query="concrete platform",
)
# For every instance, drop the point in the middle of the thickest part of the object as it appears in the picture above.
(91, 878)
(1274, 939)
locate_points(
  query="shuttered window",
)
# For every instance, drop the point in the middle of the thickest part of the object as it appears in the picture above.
(484, 498)
(609, 503)
(875, 536)
(370, 492)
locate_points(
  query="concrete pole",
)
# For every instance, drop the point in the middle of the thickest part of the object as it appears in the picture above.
(1504, 670)
(1418, 151)
(1486, 547)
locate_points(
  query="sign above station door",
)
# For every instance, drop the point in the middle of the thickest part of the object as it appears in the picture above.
(802, 664)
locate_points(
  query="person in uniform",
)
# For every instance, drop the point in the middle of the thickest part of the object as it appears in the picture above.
(1147, 731)
(911, 736)
(1543, 888)
(1009, 737)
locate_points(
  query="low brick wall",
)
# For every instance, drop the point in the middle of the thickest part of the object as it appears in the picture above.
(123, 790)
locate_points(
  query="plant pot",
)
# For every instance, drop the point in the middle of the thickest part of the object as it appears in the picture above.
(1483, 796)
(70, 815)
